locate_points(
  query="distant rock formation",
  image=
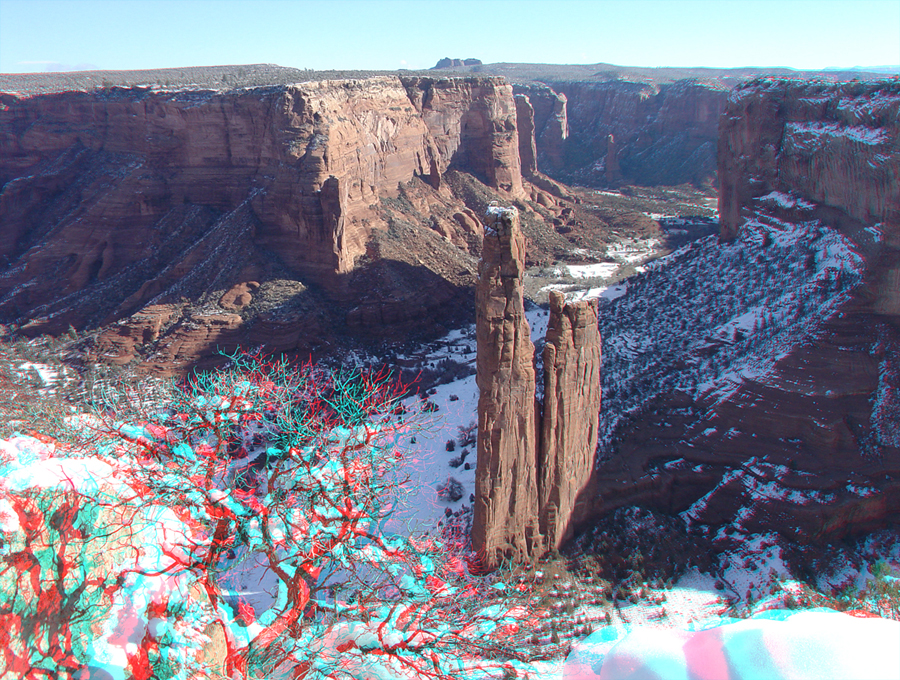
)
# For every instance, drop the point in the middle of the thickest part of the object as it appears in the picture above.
(525, 125)
(550, 125)
(531, 465)
(664, 134)
(612, 169)
(447, 62)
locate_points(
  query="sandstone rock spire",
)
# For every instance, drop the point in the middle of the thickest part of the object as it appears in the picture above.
(506, 513)
(525, 125)
(571, 405)
(528, 476)
(613, 171)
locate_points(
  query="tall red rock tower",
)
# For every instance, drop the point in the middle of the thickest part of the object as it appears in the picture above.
(530, 470)
(506, 514)
(525, 130)
(570, 415)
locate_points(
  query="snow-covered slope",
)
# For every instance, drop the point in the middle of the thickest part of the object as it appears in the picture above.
(712, 314)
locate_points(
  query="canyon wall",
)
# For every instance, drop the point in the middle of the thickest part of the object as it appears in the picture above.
(472, 122)
(664, 133)
(829, 154)
(533, 459)
(117, 199)
(832, 145)
(802, 437)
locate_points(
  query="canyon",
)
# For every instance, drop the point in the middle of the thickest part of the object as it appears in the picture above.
(745, 455)
(620, 132)
(604, 125)
(748, 380)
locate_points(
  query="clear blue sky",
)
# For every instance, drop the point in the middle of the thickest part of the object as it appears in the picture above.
(38, 35)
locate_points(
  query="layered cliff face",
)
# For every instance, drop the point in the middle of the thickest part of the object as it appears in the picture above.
(549, 125)
(115, 200)
(764, 393)
(533, 461)
(472, 122)
(832, 145)
(664, 134)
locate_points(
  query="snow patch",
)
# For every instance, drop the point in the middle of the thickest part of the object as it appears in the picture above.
(602, 270)
(786, 200)
(816, 130)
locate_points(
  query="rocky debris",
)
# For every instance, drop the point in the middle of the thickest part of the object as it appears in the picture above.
(569, 421)
(530, 468)
(238, 296)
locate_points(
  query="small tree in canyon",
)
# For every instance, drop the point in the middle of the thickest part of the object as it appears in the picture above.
(124, 558)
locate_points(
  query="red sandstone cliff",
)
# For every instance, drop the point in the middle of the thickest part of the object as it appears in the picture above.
(114, 200)
(834, 145)
(549, 125)
(472, 122)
